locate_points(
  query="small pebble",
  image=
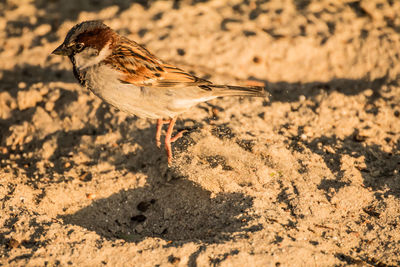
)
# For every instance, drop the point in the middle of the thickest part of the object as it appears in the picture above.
(215, 112)
(139, 228)
(174, 260)
(43, 29)
(138, 218)
(21, 85)
(13, 243)
(143, 206)
(180, 51)
(49, 106)
(168, 212)
(368, 92)
(91, 196)
(86, 177)
(256, 59)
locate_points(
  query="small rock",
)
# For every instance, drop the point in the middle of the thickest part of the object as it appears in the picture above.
(48, 149)
(215, 112)
(139, 228)
(189, 124)
(7, 104)
(143, 206)
(138, 218)
(28, 99)
(21, 85)
(359, 137)
(256, 59)
(13, 243)
(86, 177)
(172, 259)
(368, 92)
(43, 29)
(168, 212)
(181, 51)
(49, 106)
(91, 196)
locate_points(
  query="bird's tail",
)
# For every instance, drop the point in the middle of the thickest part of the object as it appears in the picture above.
(231, 90)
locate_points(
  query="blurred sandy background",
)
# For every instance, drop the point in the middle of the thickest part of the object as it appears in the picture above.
(308, 178)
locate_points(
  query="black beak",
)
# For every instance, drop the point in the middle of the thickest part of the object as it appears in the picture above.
(62, 50)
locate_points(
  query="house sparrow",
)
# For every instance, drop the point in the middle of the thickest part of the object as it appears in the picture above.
(127, 76)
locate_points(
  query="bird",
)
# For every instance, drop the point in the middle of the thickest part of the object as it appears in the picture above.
(126, 75)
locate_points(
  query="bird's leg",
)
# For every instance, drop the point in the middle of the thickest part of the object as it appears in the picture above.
(177, 136)
(169, 139)
(160, 123)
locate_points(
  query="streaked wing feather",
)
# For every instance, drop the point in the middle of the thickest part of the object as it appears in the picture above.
(139, 67)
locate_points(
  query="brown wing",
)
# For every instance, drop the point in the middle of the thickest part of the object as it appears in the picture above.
(141, 68)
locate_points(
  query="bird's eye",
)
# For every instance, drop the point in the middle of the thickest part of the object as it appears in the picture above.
(79, 47)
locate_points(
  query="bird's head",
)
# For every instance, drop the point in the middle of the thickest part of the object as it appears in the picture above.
(87, 43)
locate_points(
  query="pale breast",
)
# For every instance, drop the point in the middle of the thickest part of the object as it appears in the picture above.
(144, 102)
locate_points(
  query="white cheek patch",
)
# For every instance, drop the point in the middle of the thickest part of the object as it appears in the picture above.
(89, 57)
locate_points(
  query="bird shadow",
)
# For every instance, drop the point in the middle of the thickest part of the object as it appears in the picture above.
(179, 211)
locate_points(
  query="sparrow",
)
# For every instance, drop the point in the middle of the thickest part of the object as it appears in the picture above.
(126, 75)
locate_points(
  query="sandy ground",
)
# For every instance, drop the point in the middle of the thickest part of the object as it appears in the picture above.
(309, 177)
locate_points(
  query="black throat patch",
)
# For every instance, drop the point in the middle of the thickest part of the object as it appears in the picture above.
(79, 75)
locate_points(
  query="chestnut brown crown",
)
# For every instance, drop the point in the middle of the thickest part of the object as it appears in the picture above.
(94, 34)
